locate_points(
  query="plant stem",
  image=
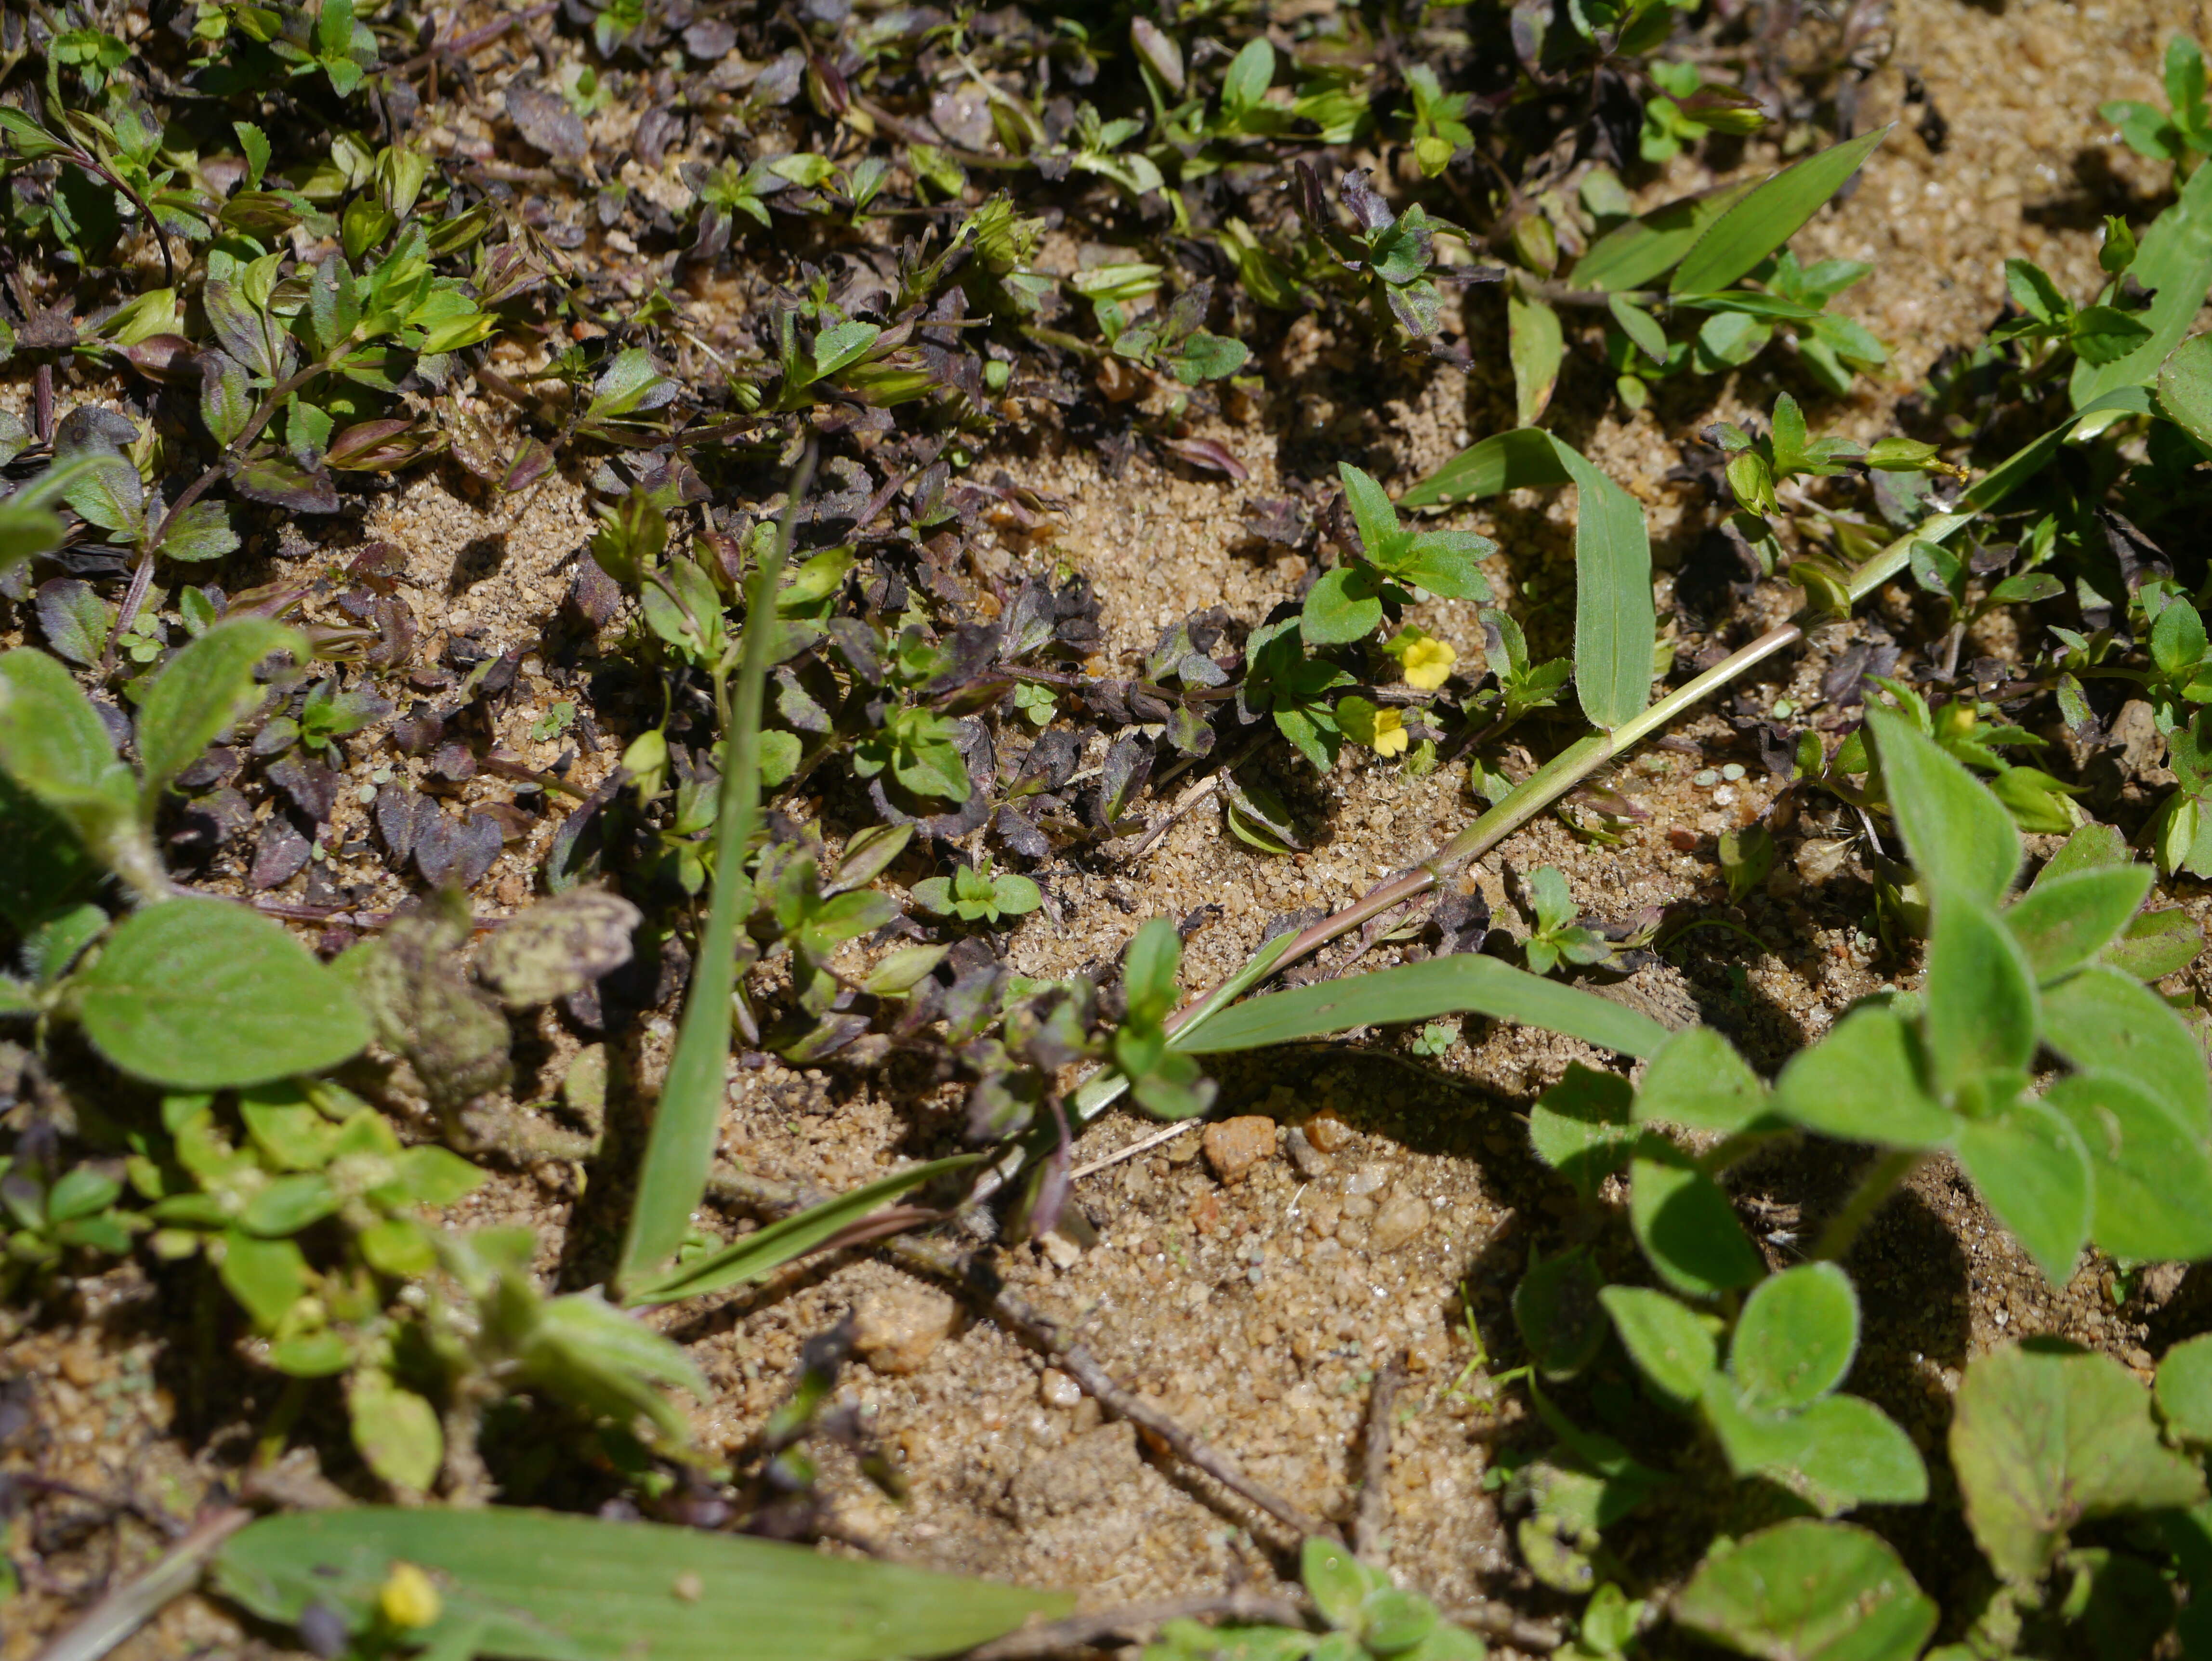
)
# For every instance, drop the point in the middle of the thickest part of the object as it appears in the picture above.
(1881, 1178)
(680, 1150)
(129, 1607)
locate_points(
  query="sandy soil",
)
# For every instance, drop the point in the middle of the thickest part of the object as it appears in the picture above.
(1258, 1311)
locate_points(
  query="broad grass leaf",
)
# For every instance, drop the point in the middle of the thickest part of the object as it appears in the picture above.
(204, 994)
(2185, 388)
(1795, 1337)
(2183, 1390)
(1863, 1083)
(1770, 215)
(1806, 1591)
(2152, 1180)
(1685, 1225)
(1633, 254)
(1537, 347)
(201, 690)
(1672, 1347)
(2063, 921)
(1523, 458)
(1836, 1454)
(2104, 1021)
(1962, 839)
(752, 1256)
(1422, 991)
(2175, 261)
(2032, 1169)
(1698, 1081)
(1980, 997)
(2043, 1438)
(541, 1586)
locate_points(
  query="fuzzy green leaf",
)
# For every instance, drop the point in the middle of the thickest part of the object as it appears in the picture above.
(2063, 922)
(1581, 1126)
(1980, 998)
(2183, 1390)
(2032, 1169)
(2043, 1438)
(203, 690)
(2153, 1181)
(1671, 1347)
(1863, 1083)
(1685, 1225)
(1837, 1453)
(205, 995)
(1795, 1338)
(2104, 1021)
(1806, 1591)
(1962, 839)
(1698, 1081)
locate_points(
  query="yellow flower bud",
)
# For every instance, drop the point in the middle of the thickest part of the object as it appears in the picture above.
(408, 1598)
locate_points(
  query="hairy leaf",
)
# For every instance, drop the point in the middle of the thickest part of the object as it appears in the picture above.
(1806, 1591)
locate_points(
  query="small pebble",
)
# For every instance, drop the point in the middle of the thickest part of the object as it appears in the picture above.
(1733, 771)
(1234, 1145)
(1400, 1221)
(1058, 1389)
(1784, 709)
(1366, 1179)
(1704, 778)
(1310, 1160)
(896, 1331)
(1061, 1249)
(1327, 1132)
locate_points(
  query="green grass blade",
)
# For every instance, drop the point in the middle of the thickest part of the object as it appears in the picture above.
(540, 1586)
(1419, 991)
(2032, 458)
(1647, 248)
(2176, 260)
(1522, 458)
(1770, 215)
(1615, 621)
(681, 1147)
(752, 1256)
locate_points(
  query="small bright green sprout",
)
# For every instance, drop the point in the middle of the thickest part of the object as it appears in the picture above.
(976, 893)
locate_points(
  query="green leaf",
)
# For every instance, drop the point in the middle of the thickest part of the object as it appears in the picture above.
(1770, 215)
(201, 690)
(1685, 1225)
(54, 746)
(1960, 837)
(1444, 562)
(1149, 971)
(1795, 1338)
(2175, 260)
(2104, 1021)
(1422, 991)
(1630, 255)
(2152, 1180)
(1836, 1454)
(1337, 1581)
(2062, 922)
(205, 995)
(2185, 388)
(2104, 334)
(2184, 1389)
(1250, 74)
(267, 1277)
(1698, 1081)
(752, 1257)
(1863, 1083)
(1671, 1347)
(1537, 347)
(2044, 1438)
(2033, 1172)
(397, 1432)
(1557, 1310)
(535, 1584)
(1981, 1006)
(1581, 1128)
(1806, 1591)
(2156, 944)
(1342, 607)
(1377, 520)
(1641, 328)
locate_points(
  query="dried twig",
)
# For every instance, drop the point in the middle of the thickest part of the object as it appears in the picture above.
(1369, 1527)
(1080, 1632)
(129, 1607)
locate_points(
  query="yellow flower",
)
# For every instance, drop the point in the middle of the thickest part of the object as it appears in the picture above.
(1391, 737)
(1428, 663)
(408, 1599)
